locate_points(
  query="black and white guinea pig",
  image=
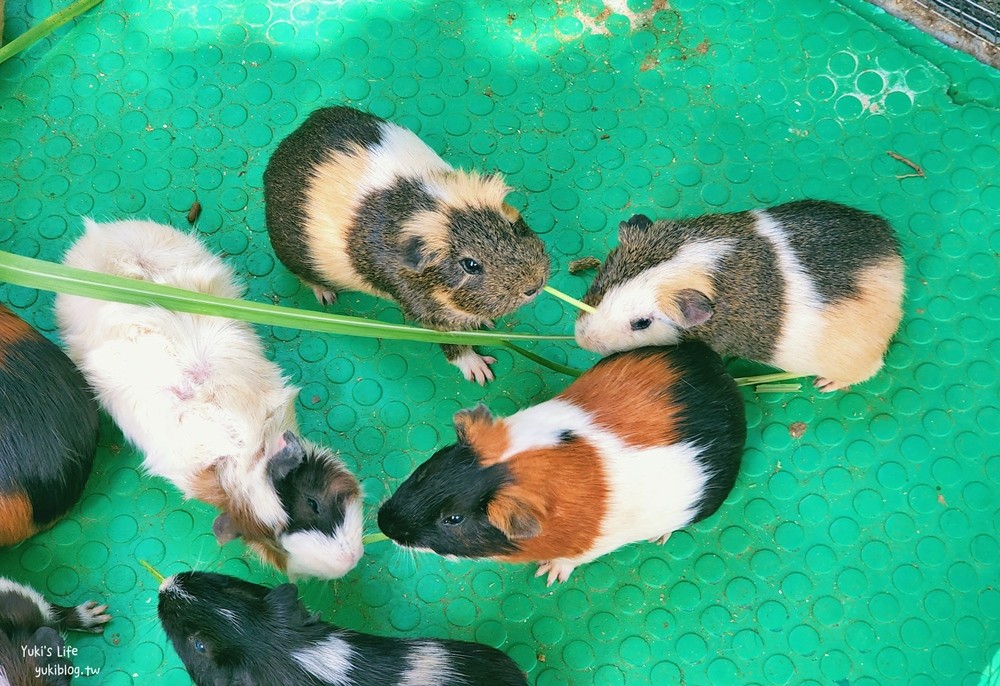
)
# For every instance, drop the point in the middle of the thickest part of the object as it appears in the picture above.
(644, 443)
(31, 649)
(208, 410)
(811, 287)
(48, 431)
(229, 632)
(355, 202)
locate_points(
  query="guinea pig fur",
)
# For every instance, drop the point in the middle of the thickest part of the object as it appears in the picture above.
(355, 202)
(812, 287)
(208, 410)
(232, 632)
(31, 649)
(48, 431)
(644, 443)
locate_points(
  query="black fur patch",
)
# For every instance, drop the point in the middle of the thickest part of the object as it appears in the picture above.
(19, 614)
(323, 482)
(50, 427)
(286, 177)
(835, 242)
(712, 416)
(451, 482)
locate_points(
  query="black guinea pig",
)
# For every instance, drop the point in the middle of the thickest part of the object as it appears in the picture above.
(230, 632)
(32, 652)
(48, 432)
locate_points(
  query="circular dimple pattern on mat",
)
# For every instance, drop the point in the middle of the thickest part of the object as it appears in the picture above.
(860, 544)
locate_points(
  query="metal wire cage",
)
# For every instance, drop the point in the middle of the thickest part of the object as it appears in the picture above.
(972, 26)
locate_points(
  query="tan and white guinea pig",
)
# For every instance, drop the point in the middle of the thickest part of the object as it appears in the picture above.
(358, 203)
(644, 443)
(208, 410)
(811, 287)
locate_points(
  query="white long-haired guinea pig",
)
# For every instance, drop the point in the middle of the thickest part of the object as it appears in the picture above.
(234, 633)
(355, 202)
(209, 411)
(812, 287)
(31, 650)
(644, 443)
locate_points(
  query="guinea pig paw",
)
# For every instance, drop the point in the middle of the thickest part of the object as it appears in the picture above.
(475, 367)
(92, 616)
(555, 569)
(825, 385)
(660, 540)
(324, 296)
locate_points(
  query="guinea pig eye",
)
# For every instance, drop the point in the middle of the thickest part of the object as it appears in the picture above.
(197, 644)
(313, 505)
(640, 324)
(453, 520)
(471, 266)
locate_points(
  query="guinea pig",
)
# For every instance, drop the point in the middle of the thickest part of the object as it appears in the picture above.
(644, 443)
(812, 287)
(355, 202)
(229, 631)
(48, 431)
(32, 652)
(208, 410)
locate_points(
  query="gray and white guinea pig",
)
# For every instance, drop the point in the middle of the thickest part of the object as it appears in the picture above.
(48, 431)
(355, 202)
(229, 632)
(31, 648)
(209, 411)
(644, 443)
(811, 287)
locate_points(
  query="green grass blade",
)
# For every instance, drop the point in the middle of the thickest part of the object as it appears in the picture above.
(779, 388)
(554, 366)
(766, 378)
(45, 27)
(26, 271)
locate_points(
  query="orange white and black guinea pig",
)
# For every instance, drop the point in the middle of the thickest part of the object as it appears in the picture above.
(48, 431)
(358, 203)
(811, 287)
(644, 443)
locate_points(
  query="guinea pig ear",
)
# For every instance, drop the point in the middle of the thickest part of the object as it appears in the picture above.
(515, 515)
(509, 213)
(695, 306)
(636, 224)
(285, 595)
(225, 529)
(47, 637)
(289, 456)
(468, 420)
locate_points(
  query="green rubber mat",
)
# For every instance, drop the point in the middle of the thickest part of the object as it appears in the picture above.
(860, 546)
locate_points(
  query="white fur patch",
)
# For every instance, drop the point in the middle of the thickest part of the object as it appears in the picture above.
(313, 553)
(400, 153)
(12, 587)
(428, 664)
(328, 661)
(802, 322)
(609, 329)
(540, 426)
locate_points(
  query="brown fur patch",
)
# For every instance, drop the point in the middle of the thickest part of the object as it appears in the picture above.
(696, 278)
(465, 189)
(858, 330)
(16, 523)
(431, 228)
(488, 437)
(565, 489)
(332, 202)
(12, 330)
(206, 487)
(510, 212)
(644, 414)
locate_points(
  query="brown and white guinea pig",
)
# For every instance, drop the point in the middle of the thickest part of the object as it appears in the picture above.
(644, 443)
(811, 287)
(234, 633)
(31, 650)
(48, 431)
(208, 410)
(355, 202)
